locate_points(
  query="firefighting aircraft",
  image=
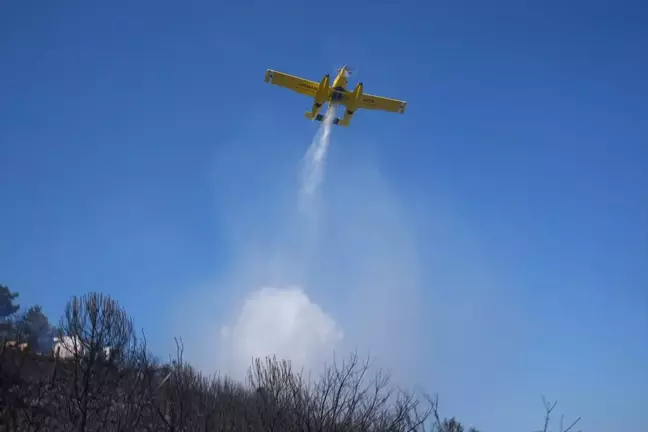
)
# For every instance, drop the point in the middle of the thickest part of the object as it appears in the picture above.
(335, 94)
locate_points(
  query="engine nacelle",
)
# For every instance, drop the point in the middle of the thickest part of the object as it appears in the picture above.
(323, 91)
(357, 94)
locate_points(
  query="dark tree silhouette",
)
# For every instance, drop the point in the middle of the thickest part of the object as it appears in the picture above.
(7, 309)
(7, 306)
(35, 329)
(92, 325)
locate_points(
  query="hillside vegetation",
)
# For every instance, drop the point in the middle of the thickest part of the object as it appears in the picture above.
(77, 384)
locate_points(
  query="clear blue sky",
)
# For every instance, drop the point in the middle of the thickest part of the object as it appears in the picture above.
(526, 127)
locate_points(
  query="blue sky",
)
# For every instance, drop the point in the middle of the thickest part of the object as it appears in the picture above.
(504, 216)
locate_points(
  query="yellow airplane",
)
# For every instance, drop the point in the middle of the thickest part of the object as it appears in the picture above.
(335, 94)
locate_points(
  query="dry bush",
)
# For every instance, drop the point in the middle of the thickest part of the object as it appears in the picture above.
(276, 398)
(344, 398)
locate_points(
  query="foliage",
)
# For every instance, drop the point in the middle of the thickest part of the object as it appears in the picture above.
(7, 306)
(35, 329)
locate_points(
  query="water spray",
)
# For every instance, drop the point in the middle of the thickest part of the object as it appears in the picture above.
(312, 172)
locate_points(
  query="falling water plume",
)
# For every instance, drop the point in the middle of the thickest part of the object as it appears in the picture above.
(312, 172)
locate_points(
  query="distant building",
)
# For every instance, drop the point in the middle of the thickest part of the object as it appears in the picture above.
(66, 347)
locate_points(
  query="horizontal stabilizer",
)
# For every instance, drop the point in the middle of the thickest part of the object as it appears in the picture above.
(320, 117)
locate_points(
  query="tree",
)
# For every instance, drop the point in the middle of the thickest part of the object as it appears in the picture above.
(7, 309)
(35, 329)
(448, 424)
(91, 324)
(7, 306)
(346, 397)
(452, 425)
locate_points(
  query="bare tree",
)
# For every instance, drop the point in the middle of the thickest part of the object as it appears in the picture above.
(549, 407)
(346, 397)
(133, 409)
(178, 394)
(91, 324)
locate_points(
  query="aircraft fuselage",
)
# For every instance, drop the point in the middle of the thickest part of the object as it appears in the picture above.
(335, 94)
(338, 89)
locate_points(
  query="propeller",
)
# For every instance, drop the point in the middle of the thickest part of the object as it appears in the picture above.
(348, 71)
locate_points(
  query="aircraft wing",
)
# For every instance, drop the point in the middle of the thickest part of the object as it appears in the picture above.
(295, 83)
(368, 101)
